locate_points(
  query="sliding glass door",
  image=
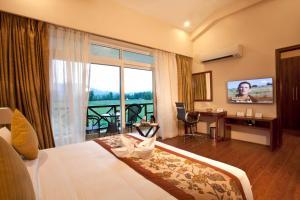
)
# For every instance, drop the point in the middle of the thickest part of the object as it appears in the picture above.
(118, 79)
(138, 92)
(104, 99)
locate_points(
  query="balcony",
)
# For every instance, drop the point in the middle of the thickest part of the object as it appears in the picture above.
(99, 117)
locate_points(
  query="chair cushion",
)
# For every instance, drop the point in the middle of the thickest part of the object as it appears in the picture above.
(24, 138)
(15, 182)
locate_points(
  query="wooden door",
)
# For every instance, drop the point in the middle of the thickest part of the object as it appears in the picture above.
(290, 104)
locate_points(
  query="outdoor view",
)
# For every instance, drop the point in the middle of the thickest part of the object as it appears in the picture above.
(104, 95)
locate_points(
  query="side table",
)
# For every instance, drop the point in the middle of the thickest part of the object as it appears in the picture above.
(148, 125)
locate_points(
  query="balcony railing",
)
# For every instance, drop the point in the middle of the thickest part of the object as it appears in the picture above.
(98, 117)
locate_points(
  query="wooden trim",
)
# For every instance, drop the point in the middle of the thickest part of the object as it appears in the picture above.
(279, 87)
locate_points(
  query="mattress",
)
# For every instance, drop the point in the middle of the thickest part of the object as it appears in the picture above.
(88, 171)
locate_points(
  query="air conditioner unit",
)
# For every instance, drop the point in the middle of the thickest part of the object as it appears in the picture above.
(230, 52)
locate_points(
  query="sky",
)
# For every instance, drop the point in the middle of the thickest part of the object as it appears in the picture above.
(107, 78)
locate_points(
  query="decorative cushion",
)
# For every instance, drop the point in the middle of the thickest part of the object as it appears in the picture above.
(24, 137)
(15, 181)
(5, 134)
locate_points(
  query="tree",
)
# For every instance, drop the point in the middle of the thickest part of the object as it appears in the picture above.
(91, 95)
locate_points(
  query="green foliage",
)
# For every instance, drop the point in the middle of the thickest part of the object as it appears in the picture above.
(147, 95)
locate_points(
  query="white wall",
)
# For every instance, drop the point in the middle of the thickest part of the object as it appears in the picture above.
(105, 18)
(260, 29)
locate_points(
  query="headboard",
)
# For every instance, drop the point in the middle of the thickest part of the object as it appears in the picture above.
(5, 115)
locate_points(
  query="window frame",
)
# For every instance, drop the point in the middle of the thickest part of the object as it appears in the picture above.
(122, 63)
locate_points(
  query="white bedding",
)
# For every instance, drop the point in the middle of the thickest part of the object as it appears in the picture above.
(87, 171)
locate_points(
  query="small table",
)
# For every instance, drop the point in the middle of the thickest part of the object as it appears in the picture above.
(148, 125)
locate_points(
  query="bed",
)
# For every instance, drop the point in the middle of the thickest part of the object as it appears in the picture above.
(89, 170)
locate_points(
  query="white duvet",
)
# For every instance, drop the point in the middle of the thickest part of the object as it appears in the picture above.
(86, 171)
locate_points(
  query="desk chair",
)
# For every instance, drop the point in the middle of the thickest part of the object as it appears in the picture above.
(190, 119)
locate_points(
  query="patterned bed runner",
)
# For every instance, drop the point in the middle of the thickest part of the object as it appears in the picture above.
(183, 177)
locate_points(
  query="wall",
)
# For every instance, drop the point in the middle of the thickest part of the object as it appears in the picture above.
(104, 18)
(261, 29)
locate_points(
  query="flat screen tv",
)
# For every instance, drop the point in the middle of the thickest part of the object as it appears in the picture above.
(250, 91)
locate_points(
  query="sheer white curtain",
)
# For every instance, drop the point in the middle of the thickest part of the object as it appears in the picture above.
(69, 79)
(166, 93)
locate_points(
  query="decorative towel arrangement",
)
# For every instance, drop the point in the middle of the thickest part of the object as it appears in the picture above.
(129, 147)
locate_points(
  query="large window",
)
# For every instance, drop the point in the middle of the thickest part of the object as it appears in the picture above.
(119, 78)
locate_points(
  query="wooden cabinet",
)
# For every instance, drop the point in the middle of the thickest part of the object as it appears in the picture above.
(265, 123)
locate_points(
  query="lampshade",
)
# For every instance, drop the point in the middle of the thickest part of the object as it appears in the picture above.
(5, 115)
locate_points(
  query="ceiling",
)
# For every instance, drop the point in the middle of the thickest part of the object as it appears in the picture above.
(176, 12)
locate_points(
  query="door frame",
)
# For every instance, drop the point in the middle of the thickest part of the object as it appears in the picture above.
(279, 87)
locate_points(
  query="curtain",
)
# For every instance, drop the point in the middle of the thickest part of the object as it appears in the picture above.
(69, 79)
(166, 93)
(24, 72)
(184, 74)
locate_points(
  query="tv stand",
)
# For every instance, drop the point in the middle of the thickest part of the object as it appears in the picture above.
(265, 123)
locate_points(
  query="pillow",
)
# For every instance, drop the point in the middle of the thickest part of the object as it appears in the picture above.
(23, 136)
(15, 181)
(5, 134)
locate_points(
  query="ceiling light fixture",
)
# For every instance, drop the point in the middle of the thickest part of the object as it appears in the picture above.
(186, 24)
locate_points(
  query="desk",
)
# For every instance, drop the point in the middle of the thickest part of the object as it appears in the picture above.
(149, 125)
(216, 117)
(265, 123)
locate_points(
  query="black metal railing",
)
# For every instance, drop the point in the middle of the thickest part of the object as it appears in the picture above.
(98, 117)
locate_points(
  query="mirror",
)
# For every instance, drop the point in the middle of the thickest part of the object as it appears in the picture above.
(202, 86)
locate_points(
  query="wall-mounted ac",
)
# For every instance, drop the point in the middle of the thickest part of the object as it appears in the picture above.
(230, 52)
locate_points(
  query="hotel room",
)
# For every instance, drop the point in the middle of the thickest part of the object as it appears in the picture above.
(136, 99)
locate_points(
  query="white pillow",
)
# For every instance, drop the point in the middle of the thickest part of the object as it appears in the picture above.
(6, 135)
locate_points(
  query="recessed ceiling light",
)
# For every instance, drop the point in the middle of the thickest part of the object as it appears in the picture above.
(186, 24)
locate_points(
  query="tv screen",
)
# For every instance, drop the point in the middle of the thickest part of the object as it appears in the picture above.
(250, 91)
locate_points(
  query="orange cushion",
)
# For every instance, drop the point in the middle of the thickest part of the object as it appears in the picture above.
(23, 136)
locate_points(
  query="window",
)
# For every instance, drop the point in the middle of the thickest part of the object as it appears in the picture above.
(98, 50)
(131, 83)
(138, 57)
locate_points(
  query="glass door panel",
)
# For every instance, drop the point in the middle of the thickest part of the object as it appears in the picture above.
(104, 99)
(138, 95)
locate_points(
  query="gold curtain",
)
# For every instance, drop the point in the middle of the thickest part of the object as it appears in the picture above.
(184, 75)
(24, 72)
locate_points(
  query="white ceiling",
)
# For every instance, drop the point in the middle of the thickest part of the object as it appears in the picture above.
(176, 12)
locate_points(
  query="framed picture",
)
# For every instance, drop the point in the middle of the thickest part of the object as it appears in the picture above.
(240, 114)
(258, 115)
